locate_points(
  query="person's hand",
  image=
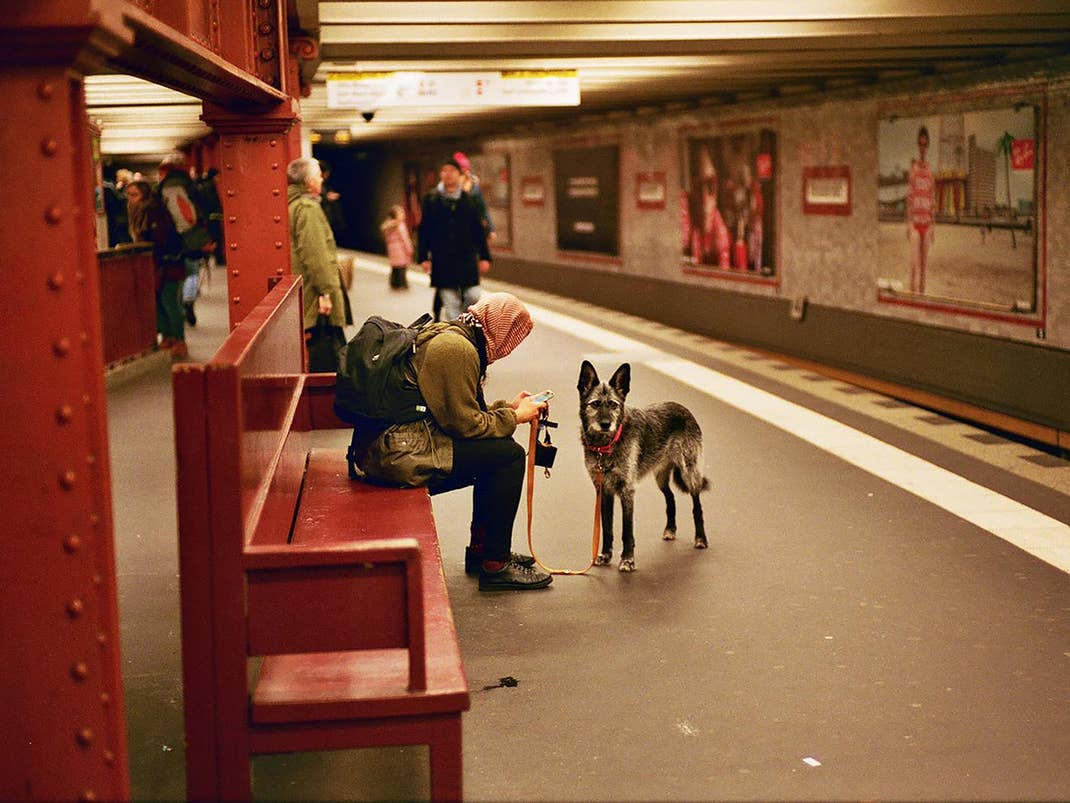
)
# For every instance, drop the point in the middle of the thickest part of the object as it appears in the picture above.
(425, 266)
(492, 235)
(325, 304)
(484, 266)
(527, 410)
(332, 195)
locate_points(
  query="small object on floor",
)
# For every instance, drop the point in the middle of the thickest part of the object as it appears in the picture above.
(508, 682)
(514, 577)
(191, 317)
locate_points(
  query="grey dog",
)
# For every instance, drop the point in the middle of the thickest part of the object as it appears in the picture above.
(623, 444)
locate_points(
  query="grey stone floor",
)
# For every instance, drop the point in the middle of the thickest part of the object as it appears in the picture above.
(841, 638)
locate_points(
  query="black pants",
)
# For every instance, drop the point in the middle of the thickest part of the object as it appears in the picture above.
(494, 467)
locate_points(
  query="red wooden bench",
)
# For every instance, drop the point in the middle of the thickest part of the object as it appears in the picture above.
(314, 609)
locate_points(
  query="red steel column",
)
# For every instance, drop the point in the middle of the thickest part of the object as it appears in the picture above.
(62, 715)
(253, 154)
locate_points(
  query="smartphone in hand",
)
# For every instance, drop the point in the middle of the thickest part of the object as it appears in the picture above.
(542, 396)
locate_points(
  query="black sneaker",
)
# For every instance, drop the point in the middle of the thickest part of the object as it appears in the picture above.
(191, 317)
(473, 561)
(514, 577)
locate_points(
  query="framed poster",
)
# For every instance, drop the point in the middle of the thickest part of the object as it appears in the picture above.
(728, 215)
(492, 170)
(587, 190)
(827, 190)
(957, 194)
(650, 190)
(532, 191)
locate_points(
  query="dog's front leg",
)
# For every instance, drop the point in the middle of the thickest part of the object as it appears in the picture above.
(606, 555)
(627, 537)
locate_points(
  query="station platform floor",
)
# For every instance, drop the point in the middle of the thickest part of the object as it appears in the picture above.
(883, 613)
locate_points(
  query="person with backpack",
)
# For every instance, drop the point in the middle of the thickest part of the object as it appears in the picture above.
(149, 222)
(452, 243)
(447, 436)
(179, 194)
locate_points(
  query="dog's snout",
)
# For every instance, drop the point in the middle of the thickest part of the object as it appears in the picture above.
(604, 425)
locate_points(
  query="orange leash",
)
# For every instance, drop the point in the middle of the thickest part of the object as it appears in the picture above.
(531, 497)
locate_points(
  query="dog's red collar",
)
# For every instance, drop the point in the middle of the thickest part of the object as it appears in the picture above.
(608, 448)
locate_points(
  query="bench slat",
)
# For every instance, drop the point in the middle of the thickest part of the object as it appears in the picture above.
(346, 685)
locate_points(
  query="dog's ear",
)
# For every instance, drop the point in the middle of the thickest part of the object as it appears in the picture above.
(588, 378)
(621, 381)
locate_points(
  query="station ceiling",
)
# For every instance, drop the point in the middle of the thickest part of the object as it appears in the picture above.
(638, 57)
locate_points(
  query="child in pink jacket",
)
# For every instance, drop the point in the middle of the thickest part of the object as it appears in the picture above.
(399, 248)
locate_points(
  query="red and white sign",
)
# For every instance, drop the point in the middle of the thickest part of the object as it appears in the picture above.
(1023, 154)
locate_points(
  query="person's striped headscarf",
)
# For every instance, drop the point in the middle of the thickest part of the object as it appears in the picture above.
(505, 321)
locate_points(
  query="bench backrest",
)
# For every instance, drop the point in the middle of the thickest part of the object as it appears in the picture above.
(234, 431)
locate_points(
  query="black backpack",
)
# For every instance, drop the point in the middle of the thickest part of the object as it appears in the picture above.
(372, 391)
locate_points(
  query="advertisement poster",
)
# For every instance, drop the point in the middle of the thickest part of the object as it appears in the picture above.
(728, 218)
(492, 172)
(587, 187)
(957, 195)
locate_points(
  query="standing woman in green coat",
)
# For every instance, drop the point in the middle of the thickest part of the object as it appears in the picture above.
(314, 257)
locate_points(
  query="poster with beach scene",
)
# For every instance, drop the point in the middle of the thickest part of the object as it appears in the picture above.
(957, 194)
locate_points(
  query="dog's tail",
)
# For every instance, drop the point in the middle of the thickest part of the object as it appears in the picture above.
(699, 482)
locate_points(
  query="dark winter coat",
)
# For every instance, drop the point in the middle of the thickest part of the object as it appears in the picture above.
(453, 238)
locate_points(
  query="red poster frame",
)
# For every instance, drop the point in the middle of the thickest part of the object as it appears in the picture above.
(647, 179)
(826, 172)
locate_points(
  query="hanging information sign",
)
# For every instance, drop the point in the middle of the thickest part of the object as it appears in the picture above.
(371, 91)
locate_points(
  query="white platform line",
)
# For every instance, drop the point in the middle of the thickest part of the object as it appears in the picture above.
(1038, 534)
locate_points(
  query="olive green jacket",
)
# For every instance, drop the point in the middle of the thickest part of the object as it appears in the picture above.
(446, 369)
(314, 256)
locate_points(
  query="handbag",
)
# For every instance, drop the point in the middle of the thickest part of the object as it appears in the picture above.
(325, 344)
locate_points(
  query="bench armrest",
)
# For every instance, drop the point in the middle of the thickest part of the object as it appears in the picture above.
(349, 596)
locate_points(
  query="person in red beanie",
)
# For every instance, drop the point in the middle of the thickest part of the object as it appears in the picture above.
(470, 184)
(464, 441)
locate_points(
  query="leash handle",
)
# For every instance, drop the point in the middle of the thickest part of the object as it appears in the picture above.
(531, 496)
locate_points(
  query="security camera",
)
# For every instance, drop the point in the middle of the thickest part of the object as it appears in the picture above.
(368, 116)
